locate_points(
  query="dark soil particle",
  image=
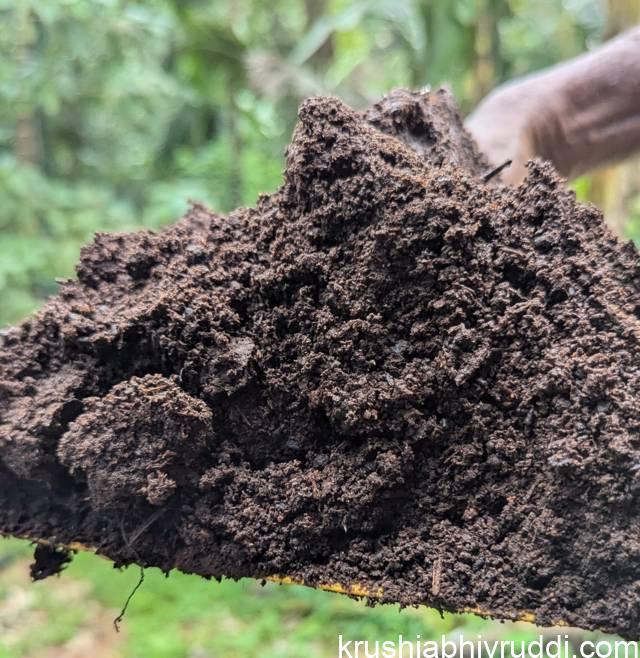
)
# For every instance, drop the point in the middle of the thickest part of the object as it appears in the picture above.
(48, 561)
(388, 373)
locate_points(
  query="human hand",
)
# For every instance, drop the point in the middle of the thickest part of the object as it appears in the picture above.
(580, 115)
(502, 126)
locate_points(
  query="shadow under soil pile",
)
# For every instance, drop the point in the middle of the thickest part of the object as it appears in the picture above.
(388, 374)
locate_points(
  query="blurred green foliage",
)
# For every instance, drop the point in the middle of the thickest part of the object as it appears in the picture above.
(114, 113)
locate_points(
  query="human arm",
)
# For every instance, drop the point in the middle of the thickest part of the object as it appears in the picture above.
(580, 114)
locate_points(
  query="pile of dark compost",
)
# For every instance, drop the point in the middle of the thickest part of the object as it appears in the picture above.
(389, 375)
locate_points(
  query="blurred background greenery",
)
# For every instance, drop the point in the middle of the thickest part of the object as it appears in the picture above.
(113, 114)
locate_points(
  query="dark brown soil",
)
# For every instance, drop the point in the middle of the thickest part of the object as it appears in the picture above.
(388, 373)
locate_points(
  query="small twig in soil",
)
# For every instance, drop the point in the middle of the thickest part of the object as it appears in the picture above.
(143, 528)
(129, 543)
(436, 573)
(120, 617)
(494, 172)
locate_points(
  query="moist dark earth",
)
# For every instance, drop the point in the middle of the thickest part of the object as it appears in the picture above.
(389, 373)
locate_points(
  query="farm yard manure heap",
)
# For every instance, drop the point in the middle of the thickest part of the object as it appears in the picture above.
(389, 378)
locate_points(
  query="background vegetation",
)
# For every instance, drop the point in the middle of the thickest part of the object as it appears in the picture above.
(113, 113)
